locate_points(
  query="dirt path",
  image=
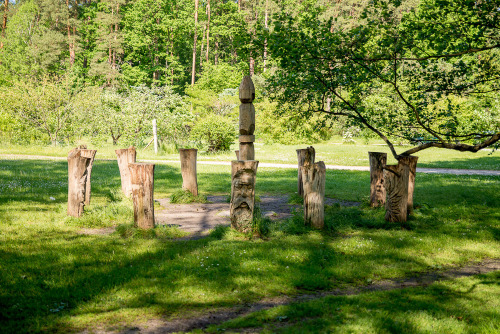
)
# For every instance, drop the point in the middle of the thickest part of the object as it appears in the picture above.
(453, 171)
(219, 316)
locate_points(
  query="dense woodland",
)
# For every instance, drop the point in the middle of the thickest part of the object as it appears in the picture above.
(420, 72)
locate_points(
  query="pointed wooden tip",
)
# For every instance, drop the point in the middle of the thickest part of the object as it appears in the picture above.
(247, 90)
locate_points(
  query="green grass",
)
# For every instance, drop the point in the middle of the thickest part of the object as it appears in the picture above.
(55, 279)
(185, 197)
(332, 152)
(465, 305)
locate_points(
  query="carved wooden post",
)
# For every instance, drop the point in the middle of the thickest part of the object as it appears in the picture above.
(304, 155)
(244, 169)
(243, 175)
(77, 181)
(91, 155)
(126, 156)
(377, 190)
(237, 152)
(313, 176)
(188, 170)
(142, 181)
(411, 161)
(247, 119)
(396, 184)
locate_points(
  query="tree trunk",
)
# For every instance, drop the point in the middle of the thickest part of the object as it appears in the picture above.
(314, 175)
(243, 174)
(305, 155)
(252, 66)
(265, 41)
(91, 155)
(194, 42)
(411, 161)
(125, 157)
(396, 184)
(77, 180)
(188, 170)
(208, 29)
(377, 190)
(4, 23)
(142, 180)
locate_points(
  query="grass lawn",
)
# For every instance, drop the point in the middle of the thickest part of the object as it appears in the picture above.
(55, 279)
(332, 152)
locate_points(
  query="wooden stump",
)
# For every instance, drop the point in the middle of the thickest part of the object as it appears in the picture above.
(246, 151)
(125, 157)
(91, 155)
(377, 189)
(313, 176)
(411, 161)
(305, 155)
(188, 170)
(396, 184)
(242, 205)
(77, 182)
(142, 181)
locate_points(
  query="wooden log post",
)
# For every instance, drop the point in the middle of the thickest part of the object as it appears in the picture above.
(242, 205)
(377, 189)
(142, 184)
(77, 182)
(396, 179)
(411, 161)
(91, 155)
(125, 157)
(188, 170)
(304, 155)
(314, 176)
(237, 152)
(247, 119)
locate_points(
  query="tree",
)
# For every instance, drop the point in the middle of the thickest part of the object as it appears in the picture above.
(416, 59)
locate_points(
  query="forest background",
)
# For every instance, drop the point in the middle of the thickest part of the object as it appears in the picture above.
(101, 71)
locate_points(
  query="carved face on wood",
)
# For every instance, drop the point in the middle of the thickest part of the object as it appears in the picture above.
(242, 197)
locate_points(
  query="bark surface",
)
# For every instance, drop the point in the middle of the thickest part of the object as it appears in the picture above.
(396, 184)
(304, 155)
(313, 176)
(188, 170)
(142, 180)
(377, 189)
(411, 161)
(77, 180)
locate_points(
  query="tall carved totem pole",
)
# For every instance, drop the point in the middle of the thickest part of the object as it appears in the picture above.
(244, 170)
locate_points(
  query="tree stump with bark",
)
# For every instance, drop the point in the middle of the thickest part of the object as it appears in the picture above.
(304, 155)
(77, 181)
(142, 184)
(188, 170)
(377, 189)
(313, 176)
(396, 184)
(242, 205)
(125, 157)
(91, 155)
(411, 161)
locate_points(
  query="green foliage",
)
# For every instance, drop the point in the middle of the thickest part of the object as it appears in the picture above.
(215, 132)
(182, 196)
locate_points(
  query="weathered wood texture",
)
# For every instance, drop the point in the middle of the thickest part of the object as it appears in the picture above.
(313, 176)
(377, 189)
(247, 119)
(396, 184)
(411, 161)
(188, 170)
(142, 182)
(304, 155)
(237, 152)
(125, 157)
(77, 182)
(91, 155)
(242, 205)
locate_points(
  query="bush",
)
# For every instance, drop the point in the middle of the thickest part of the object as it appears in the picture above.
(215, 132)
